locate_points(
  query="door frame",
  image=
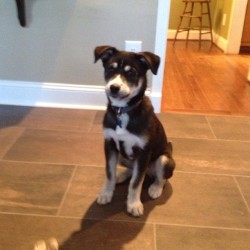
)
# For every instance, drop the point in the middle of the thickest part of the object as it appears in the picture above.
(236, 26)
(160, 49)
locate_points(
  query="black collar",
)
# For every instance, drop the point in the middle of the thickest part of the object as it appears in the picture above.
(122, 110)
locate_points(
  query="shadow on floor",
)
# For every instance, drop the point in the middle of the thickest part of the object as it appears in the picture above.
(113, 234)
(12, 115)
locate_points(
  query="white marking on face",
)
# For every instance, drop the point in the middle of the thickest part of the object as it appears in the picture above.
(127, 68)
(122, 96)
(114, 65)
(126, 90)
(117, 80)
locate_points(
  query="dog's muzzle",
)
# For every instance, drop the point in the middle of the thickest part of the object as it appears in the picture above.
(116, 91)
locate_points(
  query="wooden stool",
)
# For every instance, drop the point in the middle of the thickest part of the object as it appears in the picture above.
(189, 14)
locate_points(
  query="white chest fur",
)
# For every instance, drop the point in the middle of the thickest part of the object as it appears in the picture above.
(121, 134)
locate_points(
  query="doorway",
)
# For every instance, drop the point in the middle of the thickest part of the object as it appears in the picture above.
(245, 41)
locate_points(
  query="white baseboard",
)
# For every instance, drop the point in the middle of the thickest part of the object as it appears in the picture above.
(36, 94)
(193, 35)
(221, 42)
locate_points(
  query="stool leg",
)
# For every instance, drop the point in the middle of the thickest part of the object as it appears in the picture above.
(190, 21)
(200, 21)
(180, 23)
(210, 22)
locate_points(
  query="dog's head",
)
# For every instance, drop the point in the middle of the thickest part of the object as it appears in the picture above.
(125, 73)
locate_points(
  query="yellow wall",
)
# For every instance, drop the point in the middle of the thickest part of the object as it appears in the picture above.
(218, 8)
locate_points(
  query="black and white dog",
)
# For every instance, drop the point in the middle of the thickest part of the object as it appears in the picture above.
(134, 137)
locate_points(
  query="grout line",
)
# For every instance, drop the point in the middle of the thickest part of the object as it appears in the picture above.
(92, 122)
(5, 152)
(208, 139)
(211, 128)
(155, 239)
(66, 191)
(205, 227)
(197, 113)
(101, 166)
(200, 173)
(129, 221)
(73, 130)
(27, 205)
(53, 163)
(38, 162)
(242, 195)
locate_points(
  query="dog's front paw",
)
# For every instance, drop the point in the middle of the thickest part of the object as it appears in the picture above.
(104, 197)
(135, 208)
(155, 191)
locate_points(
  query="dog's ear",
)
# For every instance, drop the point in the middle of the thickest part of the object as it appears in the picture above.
(150, 60)
(104, 53)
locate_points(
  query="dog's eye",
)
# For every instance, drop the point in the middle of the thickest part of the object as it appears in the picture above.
(132, 73)
(110, 70)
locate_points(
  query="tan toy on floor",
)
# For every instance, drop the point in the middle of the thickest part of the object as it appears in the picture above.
(51, 244)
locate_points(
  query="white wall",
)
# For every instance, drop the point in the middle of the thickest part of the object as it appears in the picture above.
(57, 46)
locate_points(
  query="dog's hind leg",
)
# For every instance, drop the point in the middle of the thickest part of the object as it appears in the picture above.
(163, 170)
(124, 172)
(111, 155)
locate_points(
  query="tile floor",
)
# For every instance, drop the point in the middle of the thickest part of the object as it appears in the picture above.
(51, 170)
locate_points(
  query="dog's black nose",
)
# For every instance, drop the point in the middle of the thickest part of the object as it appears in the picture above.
(114, 88)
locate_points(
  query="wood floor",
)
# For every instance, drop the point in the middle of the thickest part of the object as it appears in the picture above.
(205, 80)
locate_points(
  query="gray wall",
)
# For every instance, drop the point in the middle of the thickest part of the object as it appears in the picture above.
(57, 46)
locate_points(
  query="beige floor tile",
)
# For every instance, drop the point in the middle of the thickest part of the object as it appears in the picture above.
(58, 147)
(186, 126)
(59, 119)
(83, 191)
(192, 199)
(32, 188)
(188, 238)
(74, 234)
(97, 123)
(47, 118)
(244, 187)
(202, 200)
(52, 165)
(230, 127)
(213, 154)
(8, 136)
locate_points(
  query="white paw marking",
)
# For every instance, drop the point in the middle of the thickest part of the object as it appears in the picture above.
(155, 191)
(104, 197)
(135, 208)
